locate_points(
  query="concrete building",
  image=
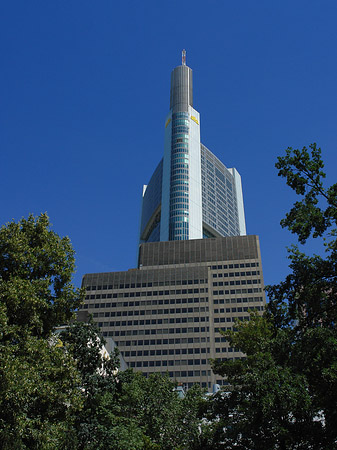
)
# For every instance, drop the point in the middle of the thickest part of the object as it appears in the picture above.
(166, 315)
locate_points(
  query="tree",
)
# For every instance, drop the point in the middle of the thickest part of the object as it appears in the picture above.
(126, 410)
(167, 421)
(59, 391)
(36, 268)
(97, 425)
(38, 381)
(284, 394)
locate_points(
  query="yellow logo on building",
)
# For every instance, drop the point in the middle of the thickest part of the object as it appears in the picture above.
(167, 122)
(195, 120)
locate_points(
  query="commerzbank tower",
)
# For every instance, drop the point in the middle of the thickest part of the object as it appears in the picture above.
(198, 272)
(191, 194)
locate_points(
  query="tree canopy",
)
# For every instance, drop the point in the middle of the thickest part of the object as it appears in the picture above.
(124, 410)
(284, 393)
(36, 269)
(60, 391)
(38, 381)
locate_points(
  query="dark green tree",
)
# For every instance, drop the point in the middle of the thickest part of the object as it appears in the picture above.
(38, 380)
(124, 410)
(284, 393)
(168, 421)
(99, 424)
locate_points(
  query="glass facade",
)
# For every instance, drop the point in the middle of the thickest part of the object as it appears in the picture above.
(179, 186)
(219, 197)
(150, 218)
(191, 193)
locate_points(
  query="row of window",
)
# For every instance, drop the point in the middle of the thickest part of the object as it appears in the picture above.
(179, 151)
(182, 169)
(177, 179)
(153, 331)
(180, 116)
(237, 291)
(180, 159)
(178, 219)
(237, 282)
(180, 140)
(125, 323)
(181, 121)
(179, 203)
(181, 135)
(149, 284)
(179, 147)
(239, 300)
(179, 129)
(175, 362)
(230, 319)
(179, 213)
(167, 320)
(166, 352)
(179, 182)
(179, 351)
(236, 274)
(166, 341)
(181, 225)
(152, 293)
(132, 313)
(235, 266)
(169, 363)
(180, 191)
(171, 301)
(239, 309)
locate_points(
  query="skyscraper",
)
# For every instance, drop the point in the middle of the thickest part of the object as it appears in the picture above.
(191, 194)
(167, 315)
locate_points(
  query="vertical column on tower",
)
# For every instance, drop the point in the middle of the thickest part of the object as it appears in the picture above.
(181, 194)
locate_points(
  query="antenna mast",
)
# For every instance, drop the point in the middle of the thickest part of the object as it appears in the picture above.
(183, 57)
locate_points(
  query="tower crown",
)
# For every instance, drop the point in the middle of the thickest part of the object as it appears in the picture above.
(181, 94)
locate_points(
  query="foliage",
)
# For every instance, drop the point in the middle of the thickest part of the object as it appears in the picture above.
(60, 391)
(38, 381)
(127, 410)
(36, 268)
(284, 393)
(97, 385)
(38, 395)
(168, 421)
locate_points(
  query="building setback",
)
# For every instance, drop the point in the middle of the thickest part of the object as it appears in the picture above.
(166, 315)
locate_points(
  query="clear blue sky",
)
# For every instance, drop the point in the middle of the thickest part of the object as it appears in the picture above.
(85, 91)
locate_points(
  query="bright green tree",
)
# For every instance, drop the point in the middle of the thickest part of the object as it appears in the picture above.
(38, 380)
(284, 393)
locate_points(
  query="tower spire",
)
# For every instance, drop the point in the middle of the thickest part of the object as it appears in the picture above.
(183, 57)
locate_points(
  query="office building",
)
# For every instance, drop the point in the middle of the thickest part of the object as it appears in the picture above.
(191, 194)
(197, 271)
(166, 315)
